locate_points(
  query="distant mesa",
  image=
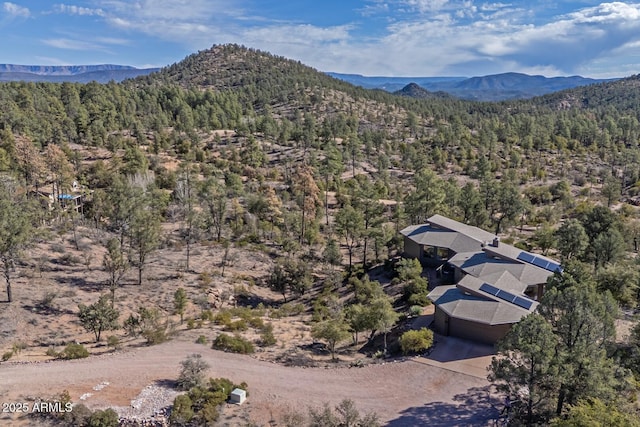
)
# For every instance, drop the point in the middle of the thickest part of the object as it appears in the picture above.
(71, 73)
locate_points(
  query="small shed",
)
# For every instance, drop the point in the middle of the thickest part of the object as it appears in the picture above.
(238, 396)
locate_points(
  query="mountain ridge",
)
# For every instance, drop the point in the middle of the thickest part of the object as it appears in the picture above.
(102, 73)
(493, 87)
(61, 70)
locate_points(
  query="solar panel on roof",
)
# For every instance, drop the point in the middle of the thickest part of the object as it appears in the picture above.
(525, 303)
(526, 257)
(539, 262)
(542, 263)
(507, 296)
(554, 267)
(485, 287)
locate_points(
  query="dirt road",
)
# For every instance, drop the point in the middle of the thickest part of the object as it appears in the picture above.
(402, 393)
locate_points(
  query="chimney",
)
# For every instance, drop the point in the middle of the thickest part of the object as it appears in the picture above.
(496, 242)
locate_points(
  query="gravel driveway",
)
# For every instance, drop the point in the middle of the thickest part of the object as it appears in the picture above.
(402, 393)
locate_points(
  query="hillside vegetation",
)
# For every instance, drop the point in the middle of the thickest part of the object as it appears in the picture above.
(259, 201)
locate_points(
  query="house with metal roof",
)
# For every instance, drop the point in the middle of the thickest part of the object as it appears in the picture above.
(495, 284)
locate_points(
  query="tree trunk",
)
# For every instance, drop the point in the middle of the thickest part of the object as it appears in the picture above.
(364, 256)
(561, 397)
(188, 252)
(7, 277)
(326, 199)
(385, 343)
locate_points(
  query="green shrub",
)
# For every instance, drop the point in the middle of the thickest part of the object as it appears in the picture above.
(256, 322)
(222, 318)
(292, 309)
(233, 344)
(132, 325)
(74, 351)
(201, 340)
(79, 415)
(69, 259)
(236, 326)
(182, 411)
(266, 336)
(7, 355)
(113, 341)
(17, 347)
(416, 291)
(51, 352)
(415, 310)
(152, 328)
(416, 341)
(287, 309)
(200, 405)
(106, 418)
(207, 315)
(192, 372)
(191, 324)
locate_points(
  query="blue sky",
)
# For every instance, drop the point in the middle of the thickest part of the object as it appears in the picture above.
(370, 37)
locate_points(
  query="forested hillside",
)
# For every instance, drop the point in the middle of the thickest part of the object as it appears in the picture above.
(238, 177)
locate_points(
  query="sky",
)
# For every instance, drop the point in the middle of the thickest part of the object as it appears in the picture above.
(368, 37)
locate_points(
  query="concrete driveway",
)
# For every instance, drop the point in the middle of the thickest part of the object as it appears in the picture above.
(458, 355)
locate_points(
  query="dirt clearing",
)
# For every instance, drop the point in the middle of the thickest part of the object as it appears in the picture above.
(397, 391)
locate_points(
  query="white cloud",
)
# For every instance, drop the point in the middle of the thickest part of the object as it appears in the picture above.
(422, 37)
(113, 41)
(71, 44)
(170, 10)
(424, 6)
(442, 43)
(16, 10)
(48, 60)
(299, 34)
(375, 7)
(77, 10)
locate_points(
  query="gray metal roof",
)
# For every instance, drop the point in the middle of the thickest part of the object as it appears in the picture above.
(482, 264)
(468, 230)
(502, 280)
(426, 234)
(476, 255)
(460, 305)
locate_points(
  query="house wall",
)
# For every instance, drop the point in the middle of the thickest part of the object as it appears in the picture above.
(446, 325)
(412, 249)
(441, 322)
(488, 334)
(458, 274)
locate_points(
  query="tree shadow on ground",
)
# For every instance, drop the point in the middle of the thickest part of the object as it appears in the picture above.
(449, 349)
(166, 383)
(477, 407)
(46, 310)
(81, 282)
